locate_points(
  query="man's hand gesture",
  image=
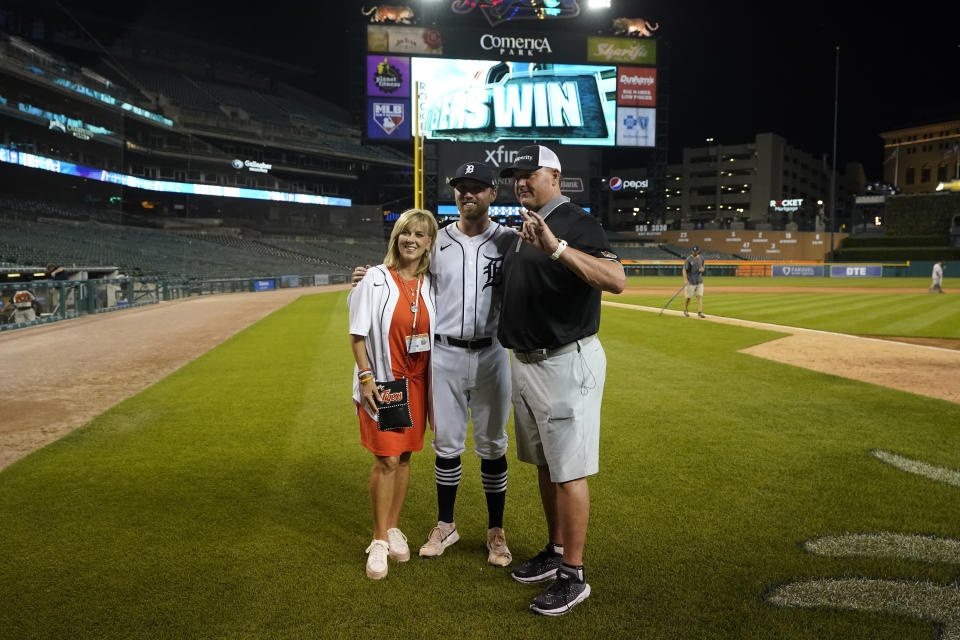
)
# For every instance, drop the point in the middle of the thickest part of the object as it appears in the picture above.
(536, 233)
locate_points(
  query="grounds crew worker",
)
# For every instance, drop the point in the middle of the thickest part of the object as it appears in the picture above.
(693, 279)
(553, 278)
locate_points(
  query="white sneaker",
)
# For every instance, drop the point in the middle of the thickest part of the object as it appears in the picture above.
(441, 537)
(399, 550)
(499, 555)
(377, 559)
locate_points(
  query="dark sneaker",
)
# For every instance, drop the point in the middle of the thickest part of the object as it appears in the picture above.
(540, 567)
(564, 594)
(686, 314)
(700, 314)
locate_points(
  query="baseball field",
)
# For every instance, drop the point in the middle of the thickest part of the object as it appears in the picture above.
(750, 486)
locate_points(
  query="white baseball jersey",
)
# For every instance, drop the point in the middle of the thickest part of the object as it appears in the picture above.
(470, 384)
(468, 274)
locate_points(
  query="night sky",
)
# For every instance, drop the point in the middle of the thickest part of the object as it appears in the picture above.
(737, 68)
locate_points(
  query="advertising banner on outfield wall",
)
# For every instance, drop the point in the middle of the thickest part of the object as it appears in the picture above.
(856, 271)
(264, 285)
(798, 270)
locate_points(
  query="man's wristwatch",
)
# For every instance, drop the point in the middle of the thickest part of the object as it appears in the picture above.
(560, 247)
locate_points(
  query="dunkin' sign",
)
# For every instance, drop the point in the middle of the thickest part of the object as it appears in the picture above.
(637, 86)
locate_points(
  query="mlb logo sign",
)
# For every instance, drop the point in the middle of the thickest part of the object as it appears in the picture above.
(387, 119)
(636, 127)
(388, 115)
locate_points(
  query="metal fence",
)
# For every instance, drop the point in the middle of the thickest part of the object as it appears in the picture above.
(54, 300)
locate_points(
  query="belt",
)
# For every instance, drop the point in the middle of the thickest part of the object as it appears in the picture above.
(531, 356)
(472, 345)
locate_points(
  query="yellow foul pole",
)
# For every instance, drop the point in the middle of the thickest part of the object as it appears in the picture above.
(418, 148)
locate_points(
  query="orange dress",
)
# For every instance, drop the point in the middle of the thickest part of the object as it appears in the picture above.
(393, 443)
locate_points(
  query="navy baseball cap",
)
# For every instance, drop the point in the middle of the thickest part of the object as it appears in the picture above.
(695, 248)
(531, 158)
(474, 171)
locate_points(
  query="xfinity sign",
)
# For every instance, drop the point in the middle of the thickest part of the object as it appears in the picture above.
(500, 156)
(617, 184)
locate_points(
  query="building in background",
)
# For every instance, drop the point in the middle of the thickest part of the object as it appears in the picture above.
(918, 158)
(763, 182)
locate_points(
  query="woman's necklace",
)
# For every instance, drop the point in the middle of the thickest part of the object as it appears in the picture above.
(408, 292)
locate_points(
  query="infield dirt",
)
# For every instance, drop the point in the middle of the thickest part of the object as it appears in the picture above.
(59, 376)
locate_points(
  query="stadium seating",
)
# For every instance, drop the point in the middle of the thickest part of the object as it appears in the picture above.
(636, 252)
(192, 255)
(682, 252)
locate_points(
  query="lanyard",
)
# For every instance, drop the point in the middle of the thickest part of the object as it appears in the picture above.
(414, 306)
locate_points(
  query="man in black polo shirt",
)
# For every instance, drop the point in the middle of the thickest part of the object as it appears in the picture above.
(553, 278)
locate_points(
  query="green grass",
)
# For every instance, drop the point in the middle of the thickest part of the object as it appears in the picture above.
(881, 314)
(837, 283)
(230, 501)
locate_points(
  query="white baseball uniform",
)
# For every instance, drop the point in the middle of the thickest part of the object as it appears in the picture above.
(937, 276)
(470, 382)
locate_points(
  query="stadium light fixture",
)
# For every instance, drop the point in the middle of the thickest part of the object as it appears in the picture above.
(598, 4)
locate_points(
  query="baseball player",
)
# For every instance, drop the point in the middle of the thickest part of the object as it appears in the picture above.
(471, 371)
(937, 276)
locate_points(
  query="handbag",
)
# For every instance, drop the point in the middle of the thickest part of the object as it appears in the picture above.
(393, 412)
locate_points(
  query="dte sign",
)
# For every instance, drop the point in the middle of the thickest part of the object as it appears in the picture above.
(856, 271)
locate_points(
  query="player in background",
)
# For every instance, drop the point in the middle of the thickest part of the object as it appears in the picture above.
(471, 371)
(693, 279)
(937, 275)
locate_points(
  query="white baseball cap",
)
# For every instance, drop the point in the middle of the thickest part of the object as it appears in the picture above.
(531, 158)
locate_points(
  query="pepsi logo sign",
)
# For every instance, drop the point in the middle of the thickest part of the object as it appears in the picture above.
(616, 184)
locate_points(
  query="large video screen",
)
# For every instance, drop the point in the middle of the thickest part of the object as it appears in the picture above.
(486, 101)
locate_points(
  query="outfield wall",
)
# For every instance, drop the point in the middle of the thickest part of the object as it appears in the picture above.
(752, 244)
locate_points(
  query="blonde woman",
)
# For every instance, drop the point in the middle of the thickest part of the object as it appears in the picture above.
(391, 334)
